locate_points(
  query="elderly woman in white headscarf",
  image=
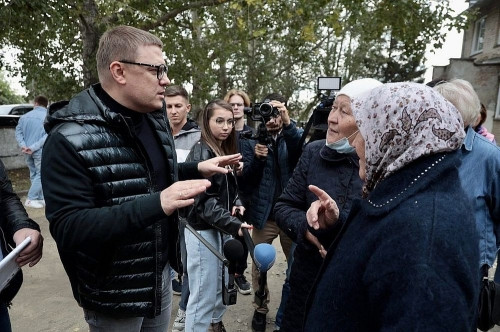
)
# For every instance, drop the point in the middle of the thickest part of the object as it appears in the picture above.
(406, 257)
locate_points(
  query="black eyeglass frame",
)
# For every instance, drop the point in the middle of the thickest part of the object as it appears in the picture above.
(158, 67)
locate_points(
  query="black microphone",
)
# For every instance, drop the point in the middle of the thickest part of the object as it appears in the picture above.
(233, 251)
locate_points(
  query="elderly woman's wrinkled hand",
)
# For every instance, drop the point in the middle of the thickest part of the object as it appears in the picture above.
(324, 212)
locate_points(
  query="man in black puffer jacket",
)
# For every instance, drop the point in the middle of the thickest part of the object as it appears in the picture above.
(111, 186)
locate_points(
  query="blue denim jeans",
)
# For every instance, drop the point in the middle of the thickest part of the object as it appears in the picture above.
(34, 162)
(4, 319)
(103, 323)
(205, 281)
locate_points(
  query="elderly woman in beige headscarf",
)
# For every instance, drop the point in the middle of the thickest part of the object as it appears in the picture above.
(406, 257)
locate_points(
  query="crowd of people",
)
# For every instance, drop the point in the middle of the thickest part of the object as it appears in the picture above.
(386, 224)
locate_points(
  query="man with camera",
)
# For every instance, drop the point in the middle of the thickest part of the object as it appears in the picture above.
(268, 157)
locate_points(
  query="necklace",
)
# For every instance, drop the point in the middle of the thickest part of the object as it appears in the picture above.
(410, 185)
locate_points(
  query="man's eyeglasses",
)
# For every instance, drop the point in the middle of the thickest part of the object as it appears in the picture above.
(220, 123)
(236, 104)
(160, 69)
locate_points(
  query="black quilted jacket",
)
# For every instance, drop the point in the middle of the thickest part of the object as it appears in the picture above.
(104, 214)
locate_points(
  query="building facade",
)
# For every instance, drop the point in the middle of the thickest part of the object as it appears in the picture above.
(480, 59)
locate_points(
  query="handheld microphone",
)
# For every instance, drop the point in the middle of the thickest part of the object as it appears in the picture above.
(265, 255)
(233, 251)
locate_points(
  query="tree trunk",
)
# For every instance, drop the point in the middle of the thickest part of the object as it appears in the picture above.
(197, 70)
(90, 41)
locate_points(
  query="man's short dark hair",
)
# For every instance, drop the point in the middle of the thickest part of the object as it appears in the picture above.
(176, 90)
(42, 101)
(276, 96)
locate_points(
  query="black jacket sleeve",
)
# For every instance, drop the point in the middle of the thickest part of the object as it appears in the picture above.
(189, 170)
(292, 136)
(291, 207)
(13, 215)
(253, 167)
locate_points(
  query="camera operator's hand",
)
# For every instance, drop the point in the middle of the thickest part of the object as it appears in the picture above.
(261, 151)
(285, 117)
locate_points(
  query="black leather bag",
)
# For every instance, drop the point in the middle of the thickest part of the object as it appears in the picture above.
(489, 303)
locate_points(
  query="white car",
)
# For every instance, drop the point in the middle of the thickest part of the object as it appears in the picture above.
(15, 109)
(10, 114)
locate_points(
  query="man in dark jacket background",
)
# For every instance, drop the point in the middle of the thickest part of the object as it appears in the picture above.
(266, 171)
(15, 226)
(110, 179)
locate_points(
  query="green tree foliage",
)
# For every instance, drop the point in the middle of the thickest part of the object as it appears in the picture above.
(7, 95)
(214, 45)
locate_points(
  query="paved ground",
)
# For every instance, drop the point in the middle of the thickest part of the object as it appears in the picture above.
(45, 303)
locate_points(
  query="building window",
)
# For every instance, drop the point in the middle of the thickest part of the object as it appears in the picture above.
(477, 42)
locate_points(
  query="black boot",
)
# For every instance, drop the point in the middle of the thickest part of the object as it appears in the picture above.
(259, 322)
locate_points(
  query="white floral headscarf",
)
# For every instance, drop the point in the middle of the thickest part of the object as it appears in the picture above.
(401, 122)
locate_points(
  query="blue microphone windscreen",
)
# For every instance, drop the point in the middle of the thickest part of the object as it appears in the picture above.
(264, 255)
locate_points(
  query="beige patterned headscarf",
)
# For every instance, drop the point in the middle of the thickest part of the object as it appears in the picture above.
(402, 122)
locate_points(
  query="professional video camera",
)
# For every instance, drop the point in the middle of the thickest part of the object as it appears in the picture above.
(319, 118)
(262, 112)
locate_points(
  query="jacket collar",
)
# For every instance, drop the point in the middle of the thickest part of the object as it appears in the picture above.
(86, 106)
(190, 124)
(469, 138)
(390, 192)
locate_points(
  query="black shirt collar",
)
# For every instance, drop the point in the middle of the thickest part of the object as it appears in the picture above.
(115, 106)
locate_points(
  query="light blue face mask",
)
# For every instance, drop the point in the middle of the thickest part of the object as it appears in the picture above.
(342, 145)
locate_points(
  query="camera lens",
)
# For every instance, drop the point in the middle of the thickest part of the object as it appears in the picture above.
(266, 109)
